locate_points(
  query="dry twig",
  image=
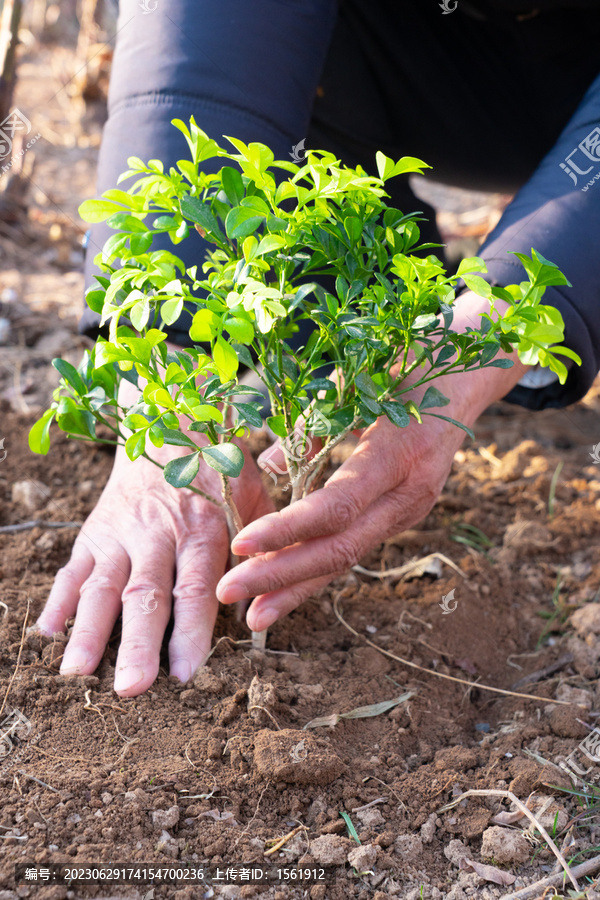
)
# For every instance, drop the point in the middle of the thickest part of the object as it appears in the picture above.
(281, 841)
(412, 665)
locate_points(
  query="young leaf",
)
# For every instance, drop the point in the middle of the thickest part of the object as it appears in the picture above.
(225, 359)
(39, 433)
(71, 375)
(227, 459)
(204, 325)
(181, 471)
(135, 444)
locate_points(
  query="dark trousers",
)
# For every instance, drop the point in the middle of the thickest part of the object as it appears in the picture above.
(481, 98)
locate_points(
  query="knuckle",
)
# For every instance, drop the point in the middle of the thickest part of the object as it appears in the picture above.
(67, 576)
(346, 507)
(98, 583)
(141, 590)
(346, 552)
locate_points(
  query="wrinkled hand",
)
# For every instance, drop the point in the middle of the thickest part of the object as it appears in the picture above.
(389, 483)
(145, 547)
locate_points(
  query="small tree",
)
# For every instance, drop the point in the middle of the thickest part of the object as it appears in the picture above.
(386, 314)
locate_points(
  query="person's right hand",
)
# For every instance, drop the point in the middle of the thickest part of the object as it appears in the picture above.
(144, 545)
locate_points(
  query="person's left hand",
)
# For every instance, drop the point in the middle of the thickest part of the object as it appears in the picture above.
(389, 483)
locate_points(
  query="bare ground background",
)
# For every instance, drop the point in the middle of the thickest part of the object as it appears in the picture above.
(190, 773)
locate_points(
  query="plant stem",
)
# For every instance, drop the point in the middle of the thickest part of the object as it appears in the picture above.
(234, 526)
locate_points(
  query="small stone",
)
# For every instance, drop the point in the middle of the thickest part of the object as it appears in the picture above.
(363, 857)
(30, 494)
(106, 798)
(165, 818)
(576, 696)
(73, 819)
(85, 488)
(587, 619)
(428, 829)
(371, 817)
(455, 851)
(504, 845)
(47, 541)
(408, 847)
(309, 691)
(330, 849)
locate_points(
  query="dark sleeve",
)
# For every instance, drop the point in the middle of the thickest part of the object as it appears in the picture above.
(557, 212)
(245, 69)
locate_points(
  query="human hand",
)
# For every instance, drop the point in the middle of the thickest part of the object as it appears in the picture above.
(145, 546)
(389, 483)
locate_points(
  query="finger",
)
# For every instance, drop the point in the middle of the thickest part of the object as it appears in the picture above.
(64, 595)
(97, 611)
(337, 553)
(268, 608)
(201, 562)
(146, 610)
(366, 475)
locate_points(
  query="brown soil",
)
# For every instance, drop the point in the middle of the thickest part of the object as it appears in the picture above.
(192, 773)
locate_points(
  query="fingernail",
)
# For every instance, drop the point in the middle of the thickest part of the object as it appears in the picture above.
(182, 669)
(73, 662)
(127, 677)
(232, 592)
(265, 618)
(245, 547)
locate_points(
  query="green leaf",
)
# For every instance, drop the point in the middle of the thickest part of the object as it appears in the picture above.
(225, 359)
(366, 386)
(319, 384)
(175, 438)
(135, 444)
(200, 213)
(250, 413)
(478, 285)
(471, 264)
(181, 471)
(277, 425)
(71, 375)
(170, 310)
(140, 243)
(204, 326)
(139, 314)
(241, 222)
(227, 459)
(452, 422)
(93, 211)
(396, 413)
(126, 222)
(232, 185)
(433, 397)
(240, 329)
(269, 243)
(39, 433)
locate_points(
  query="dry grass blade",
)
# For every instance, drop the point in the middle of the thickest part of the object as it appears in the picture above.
(414, 567)
(508, 795)
(532, 892)
(412, 665)
(361, 712)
